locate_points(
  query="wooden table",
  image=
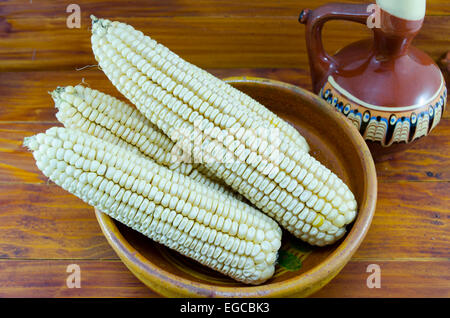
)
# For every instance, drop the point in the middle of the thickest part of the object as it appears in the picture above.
(43, 229)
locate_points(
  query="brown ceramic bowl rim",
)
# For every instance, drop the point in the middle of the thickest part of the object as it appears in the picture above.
(332, 264)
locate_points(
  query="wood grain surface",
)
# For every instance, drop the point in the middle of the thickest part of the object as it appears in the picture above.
(169, 8)
(43, 228)
(110, 278)
(39, 38)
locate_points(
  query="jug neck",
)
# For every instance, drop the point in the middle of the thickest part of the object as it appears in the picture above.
(394, 36)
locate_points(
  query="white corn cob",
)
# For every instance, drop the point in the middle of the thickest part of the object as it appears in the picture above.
(218, 231)
(276, 175)
(114, 121)
(259, 114)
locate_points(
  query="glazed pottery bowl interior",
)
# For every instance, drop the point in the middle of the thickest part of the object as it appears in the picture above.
(301, 269)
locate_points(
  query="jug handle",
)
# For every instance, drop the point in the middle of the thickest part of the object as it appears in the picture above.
(321, 63)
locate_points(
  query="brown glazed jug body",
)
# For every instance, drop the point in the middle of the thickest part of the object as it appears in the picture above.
(392, 92)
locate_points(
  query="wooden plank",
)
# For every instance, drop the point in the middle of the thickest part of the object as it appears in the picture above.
(25, 94)
(398, 279)
(43, 43)
(27, 103)
(428, 160)
(157, 8)
(26, 98)
(16, 162)
(44, 221)
(412, 220)
(47, 278)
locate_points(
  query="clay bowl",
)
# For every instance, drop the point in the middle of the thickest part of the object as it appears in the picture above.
(301, 269)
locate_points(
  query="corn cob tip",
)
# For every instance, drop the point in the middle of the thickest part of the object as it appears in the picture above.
(31, 143)
(56, 94)
(99, 25)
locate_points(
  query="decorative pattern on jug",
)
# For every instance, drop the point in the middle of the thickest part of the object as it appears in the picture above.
(387, 125)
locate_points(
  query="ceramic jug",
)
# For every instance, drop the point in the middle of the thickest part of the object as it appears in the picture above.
(392, 92)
